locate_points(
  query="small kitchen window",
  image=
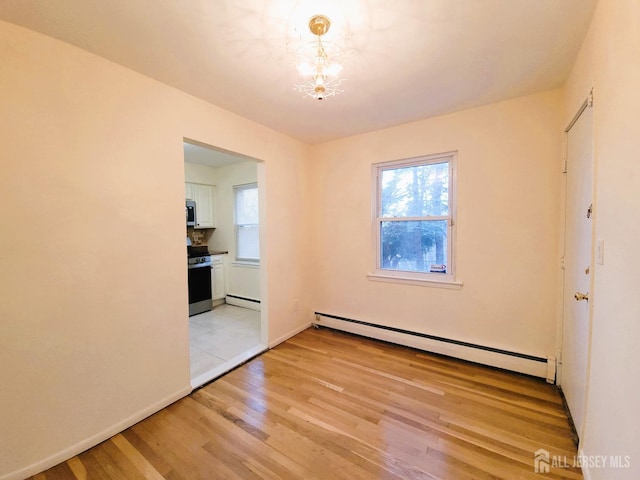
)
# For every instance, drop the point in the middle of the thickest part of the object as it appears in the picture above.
(247, 224)
(414, 220)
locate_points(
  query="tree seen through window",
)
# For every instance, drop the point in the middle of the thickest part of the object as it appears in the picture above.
(414, 217)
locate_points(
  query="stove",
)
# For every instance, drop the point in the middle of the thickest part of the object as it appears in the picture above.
(199, 268)
(197, 255)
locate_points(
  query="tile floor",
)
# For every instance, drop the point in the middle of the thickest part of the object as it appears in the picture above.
(219, 337)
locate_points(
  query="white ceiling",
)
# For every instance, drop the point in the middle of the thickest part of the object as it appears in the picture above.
(408, 59)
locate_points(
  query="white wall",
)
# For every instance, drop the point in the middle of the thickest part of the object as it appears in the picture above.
(243, 281)
(507, 226)
(610, 63)
(93, 330)
(197, 173)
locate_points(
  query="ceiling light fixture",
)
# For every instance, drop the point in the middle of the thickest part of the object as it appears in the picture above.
(319, 63)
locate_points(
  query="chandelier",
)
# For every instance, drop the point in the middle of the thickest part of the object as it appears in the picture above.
(319, 63)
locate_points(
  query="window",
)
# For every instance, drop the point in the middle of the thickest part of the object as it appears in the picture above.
(247, 222)
(414, 218)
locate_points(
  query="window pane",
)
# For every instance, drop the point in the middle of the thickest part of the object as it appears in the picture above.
(248, 242)
(419, 246)
(416, 191)
(247, 221)
(247, 205)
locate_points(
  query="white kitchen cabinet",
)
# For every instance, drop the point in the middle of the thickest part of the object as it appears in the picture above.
(204, 196)
(218, 283)
(188, 191)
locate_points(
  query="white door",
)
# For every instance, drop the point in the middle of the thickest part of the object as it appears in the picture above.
(578, 268)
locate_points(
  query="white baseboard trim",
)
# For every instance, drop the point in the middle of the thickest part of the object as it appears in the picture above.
(244, 303)
(287, 336)
(94, 440)
(514, 363)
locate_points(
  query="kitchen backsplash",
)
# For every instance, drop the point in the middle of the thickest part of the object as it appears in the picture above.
(200, 236)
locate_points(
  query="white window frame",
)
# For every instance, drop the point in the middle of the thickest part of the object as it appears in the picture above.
(446, 280)
(236, 226)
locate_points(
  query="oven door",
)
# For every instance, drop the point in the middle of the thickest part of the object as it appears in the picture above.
(199, 289)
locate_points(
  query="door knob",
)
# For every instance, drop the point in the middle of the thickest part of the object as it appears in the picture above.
(581, 296)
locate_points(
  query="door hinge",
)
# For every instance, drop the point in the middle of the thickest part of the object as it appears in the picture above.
(562, 263)
(590, 99)
(589, 211)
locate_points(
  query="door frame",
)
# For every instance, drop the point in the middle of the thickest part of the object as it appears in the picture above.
(261, 175)
(587, 103)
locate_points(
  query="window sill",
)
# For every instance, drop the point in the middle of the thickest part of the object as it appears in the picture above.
(424, 282)
(245, 264)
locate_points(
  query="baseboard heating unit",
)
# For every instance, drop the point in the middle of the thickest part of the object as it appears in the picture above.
(244, 302)
(544, 367)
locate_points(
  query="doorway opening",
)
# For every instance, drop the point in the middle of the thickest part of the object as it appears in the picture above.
(225, 204)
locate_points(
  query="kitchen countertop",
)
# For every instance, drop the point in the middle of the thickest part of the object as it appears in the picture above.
(217, 252)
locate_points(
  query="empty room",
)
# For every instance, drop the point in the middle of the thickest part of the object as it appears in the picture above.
(319, 240)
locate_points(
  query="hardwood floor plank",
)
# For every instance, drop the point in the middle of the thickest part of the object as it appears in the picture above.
(331, 405)
(247, 445)
(185, 456)
(156, 460)
(77, 467)
(311, 450)
(59, 472)
(136, 458)
(92, 462)
(115, 463)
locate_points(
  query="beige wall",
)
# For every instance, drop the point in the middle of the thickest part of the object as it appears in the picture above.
(610, 63)
(507, 253)
(93, 330)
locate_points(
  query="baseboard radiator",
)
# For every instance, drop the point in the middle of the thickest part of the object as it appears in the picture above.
(544, 367)
(244, 302)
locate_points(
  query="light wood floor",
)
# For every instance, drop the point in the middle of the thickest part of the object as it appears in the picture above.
(328, 405)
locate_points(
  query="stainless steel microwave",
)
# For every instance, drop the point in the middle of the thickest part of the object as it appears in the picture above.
(191, 213)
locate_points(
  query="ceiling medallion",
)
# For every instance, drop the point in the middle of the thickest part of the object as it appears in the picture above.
(319, 63)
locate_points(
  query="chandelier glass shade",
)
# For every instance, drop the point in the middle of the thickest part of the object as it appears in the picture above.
(319, 63)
